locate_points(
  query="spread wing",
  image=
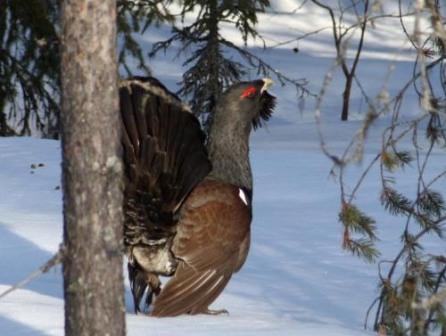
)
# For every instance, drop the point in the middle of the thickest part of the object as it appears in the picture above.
(212, 242)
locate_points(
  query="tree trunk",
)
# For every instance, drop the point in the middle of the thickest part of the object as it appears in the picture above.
(214, 53)
(92, 170)
(214, 60)
(5, 130)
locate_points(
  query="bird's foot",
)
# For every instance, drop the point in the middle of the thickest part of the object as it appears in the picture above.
(216, 312)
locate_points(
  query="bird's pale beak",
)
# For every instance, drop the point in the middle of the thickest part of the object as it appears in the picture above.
(268, 82)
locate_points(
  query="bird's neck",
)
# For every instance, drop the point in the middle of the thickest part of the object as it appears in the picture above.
(228, 148)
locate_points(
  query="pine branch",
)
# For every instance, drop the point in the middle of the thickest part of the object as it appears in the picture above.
(363, 248)
(354, 220)
(395, 202)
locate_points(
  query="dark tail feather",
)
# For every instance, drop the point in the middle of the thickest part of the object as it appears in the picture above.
(138, 285)
(142, 284)
(164, 159)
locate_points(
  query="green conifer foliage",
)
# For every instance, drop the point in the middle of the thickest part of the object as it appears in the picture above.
(135, 16)
(29, 67)
(30, 59)
(210, 65)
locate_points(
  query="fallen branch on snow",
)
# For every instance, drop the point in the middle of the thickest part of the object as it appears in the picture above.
(53, 261)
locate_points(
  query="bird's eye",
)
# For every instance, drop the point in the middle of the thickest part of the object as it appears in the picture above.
(249, 92)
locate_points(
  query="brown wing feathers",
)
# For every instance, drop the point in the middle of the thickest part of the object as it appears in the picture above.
(189, 292)
(165, 158)
(211, 242)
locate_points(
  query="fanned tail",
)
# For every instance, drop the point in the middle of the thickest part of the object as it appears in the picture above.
(164, 159)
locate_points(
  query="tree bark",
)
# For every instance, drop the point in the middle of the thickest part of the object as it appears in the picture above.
(5, 130)
(213, 59)
(92, 170)
(213, 45)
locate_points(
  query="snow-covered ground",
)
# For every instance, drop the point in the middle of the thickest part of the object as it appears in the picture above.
(297, 280)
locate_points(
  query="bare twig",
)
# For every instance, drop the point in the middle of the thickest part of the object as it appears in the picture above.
(53, 261)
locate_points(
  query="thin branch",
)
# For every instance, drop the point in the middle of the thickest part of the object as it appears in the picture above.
(53, 261)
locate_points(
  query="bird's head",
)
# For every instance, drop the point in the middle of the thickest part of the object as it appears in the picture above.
(246, 104)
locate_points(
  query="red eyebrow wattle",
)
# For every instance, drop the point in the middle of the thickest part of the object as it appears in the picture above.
(248, 92)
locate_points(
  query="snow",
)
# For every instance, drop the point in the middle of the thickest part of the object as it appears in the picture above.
(294, 282)
(297, 279)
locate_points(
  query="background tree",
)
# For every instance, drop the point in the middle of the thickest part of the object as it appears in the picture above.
(29, 67)
(30, 59)
(136, 17)
(413, 282)
(412, 295)
(211, 66)
(342, 34)
(92, 170)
